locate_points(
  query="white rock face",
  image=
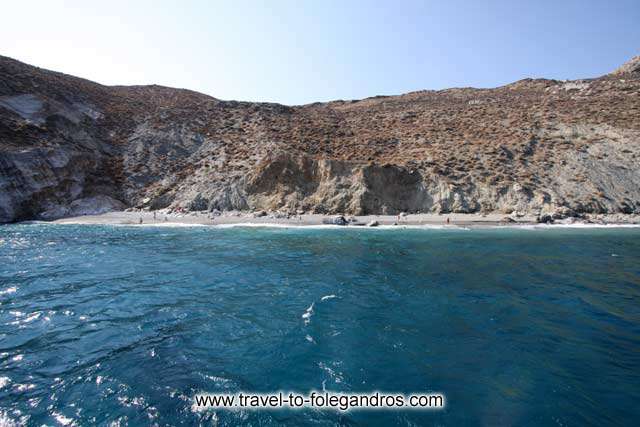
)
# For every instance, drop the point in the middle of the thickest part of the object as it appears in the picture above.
(95, 205)
(28, 106)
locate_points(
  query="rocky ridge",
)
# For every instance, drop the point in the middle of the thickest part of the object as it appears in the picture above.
(69, 146)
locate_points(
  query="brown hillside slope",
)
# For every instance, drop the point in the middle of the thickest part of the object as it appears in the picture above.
(70, 146)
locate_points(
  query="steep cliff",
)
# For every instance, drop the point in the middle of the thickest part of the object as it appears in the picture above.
(69, 146)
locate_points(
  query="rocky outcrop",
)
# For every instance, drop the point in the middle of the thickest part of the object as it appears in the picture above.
(49, 183)
(630, 67)
(69, 146)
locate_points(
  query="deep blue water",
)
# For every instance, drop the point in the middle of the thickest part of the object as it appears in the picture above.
(516, 327)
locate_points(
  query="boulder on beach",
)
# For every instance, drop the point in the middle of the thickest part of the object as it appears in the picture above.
(337, 220)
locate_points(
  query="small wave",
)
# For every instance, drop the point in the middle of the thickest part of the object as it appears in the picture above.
(20, 321)
(276, 225)
(337, 377)
(7, 421)
(339, 227)
(4, 381)
(24, 387)
(308, 313)
(216, 379)
(173, 224)
(132, 401)
(9, 290)
(63, 420)
(558, 226)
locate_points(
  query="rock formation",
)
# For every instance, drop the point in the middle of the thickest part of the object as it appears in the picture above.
(69, 146)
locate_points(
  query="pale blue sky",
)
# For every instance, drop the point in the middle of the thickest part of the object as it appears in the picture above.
(296, 52)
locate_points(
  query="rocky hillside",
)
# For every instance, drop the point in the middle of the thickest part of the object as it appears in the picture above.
(69, 146)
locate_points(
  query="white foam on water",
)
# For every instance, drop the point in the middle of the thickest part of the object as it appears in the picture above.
(7, 421)
(276, 225)
(132, 401)
(4, 381)
(310, 339)
(340, 227)
(451, 227)
(62, 420)
(337, 377)
(9, 290)
(170, 224)
(559, 226)
(216, 379)
(33, 316)
(326, 297)
(24, 387)
(308, 313)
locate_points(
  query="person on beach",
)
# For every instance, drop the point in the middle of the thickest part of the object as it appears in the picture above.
(140, 219)
(154, 215)
(447, 220)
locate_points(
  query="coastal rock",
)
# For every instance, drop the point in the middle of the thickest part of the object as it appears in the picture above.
(373, 223)
(338, 220)
(545, 219)
(65, 140)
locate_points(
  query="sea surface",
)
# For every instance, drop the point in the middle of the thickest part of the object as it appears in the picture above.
(115, 325)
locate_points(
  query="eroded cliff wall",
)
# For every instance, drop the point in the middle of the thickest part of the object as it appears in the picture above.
(69, 146)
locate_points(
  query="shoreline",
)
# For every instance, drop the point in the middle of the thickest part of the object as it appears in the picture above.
(239, 219)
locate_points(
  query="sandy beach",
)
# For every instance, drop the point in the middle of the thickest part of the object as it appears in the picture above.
(242, 218)
(229, 218)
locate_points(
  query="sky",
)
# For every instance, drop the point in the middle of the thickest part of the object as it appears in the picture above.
(298, 52)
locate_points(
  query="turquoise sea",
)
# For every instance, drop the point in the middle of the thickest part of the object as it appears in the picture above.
(114, 325)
